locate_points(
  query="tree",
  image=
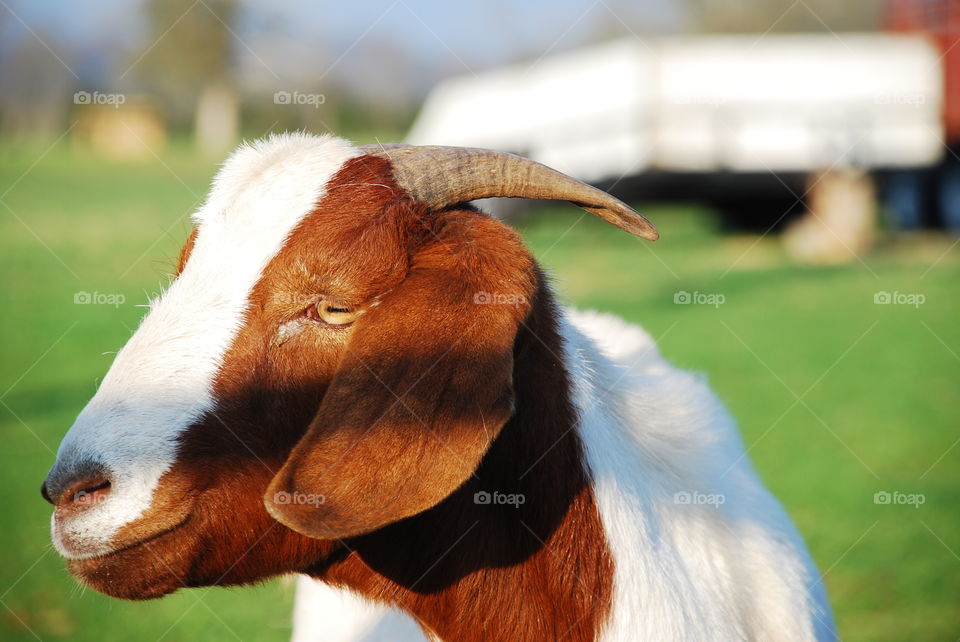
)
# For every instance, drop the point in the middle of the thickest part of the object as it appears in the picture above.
(190, 64)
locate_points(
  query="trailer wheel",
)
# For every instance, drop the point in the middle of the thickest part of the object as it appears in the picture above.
(840, 220)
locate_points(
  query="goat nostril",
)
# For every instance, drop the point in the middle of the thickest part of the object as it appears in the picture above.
(85, 493)
(44, 493)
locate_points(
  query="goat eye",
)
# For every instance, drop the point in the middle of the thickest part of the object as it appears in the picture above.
(331, 313)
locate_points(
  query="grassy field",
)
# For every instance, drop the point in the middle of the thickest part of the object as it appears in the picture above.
(838, 398)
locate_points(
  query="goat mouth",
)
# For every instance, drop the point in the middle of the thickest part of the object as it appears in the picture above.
(81, 556)
(121, 572)
(145, 541)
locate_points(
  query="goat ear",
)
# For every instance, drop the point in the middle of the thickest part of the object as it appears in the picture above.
(424, 387)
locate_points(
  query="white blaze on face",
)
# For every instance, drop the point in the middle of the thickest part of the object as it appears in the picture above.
(161, 381)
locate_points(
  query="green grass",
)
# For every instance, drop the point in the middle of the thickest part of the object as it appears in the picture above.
(879, 406)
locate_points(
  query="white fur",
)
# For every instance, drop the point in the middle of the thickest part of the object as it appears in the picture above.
(734, 571)
(322, 613)
(161, 380)
(654, 436)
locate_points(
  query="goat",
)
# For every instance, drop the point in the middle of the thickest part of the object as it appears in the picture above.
(356, 376)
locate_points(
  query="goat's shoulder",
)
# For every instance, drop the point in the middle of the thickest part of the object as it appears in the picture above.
(681, 504)
(620, 369)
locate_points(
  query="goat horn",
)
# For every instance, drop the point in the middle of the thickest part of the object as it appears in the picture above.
(443, 176)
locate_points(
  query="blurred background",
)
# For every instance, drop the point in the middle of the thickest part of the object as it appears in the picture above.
(801, 159)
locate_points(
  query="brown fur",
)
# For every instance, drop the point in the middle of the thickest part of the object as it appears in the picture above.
(391, 425)
(185, 251)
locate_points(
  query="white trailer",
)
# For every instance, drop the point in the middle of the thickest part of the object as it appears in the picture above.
(831, 107)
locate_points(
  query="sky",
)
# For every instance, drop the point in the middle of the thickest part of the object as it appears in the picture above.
(283, 41)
